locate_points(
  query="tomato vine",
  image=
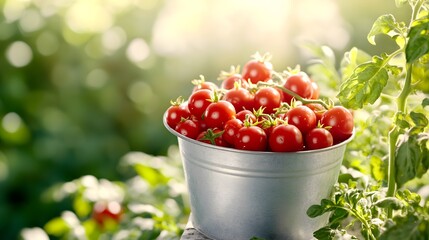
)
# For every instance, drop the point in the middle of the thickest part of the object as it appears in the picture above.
(382, 210)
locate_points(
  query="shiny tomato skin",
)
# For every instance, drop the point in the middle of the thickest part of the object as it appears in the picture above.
(268, 98)
(243, 114)
(231, 129)
(286, 138)
(218, 113)
(251, 138)
(231, 81)
(318, 109)
(199, 101)
(241, 98)
(303, 118)
(256, 71)
(214, 137)
(188, 128)
(340, 123)
(205, 85)
(300, 84)
(175, 113)
(318, 138)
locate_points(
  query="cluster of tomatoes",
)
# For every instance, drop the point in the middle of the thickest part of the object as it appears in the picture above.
(259, 109)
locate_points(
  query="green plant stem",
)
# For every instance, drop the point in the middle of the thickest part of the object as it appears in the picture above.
(394, 134)
(293, 94)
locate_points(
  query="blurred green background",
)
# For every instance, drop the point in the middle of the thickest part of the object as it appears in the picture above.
(83, 82)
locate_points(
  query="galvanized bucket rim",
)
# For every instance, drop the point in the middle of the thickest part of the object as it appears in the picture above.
(254, 152)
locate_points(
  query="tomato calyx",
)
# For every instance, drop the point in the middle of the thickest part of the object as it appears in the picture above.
(211, 135)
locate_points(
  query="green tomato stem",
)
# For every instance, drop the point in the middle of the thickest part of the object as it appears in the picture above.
(293, 94)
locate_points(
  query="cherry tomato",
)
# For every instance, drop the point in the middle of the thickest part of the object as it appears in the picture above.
(303, 118)
(230, 82)
(255, 71)
(241, 98)
(268, 98)
(340, 121)
(218, 113)
(199, 101)
(318, 109)
(318, 138)
(243, 114)
(286, 138)
(188, 128)
(105, 211)
(300, 84)
(214, 137)
(315, 93)
(251, 138)
(205, 85)
(231, 129)
(175, 113)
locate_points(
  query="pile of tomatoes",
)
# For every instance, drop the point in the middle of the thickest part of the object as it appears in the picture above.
(259, 109)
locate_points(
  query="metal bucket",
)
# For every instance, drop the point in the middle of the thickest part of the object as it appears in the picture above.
(237, 194)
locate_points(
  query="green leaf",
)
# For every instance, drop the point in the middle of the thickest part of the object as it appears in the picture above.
(152, 175)
(389, 203)
(418, 42)
(325, 233)
(338, 215)
(81, 206)
(385, 24)
(419, 119)
(406, 227)
(57, 227)
(315, 211)
(408, 159)
(378, 169)
(425, 102)
(364, 85)
(351, 60)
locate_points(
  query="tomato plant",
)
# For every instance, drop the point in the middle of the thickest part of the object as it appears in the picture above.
(392, 139)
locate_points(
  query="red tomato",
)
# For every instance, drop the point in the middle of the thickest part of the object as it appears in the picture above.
(241, 98)
(255, 71)
(218, 113)
(268, 98)
(243, 114)
(199, 101)
(175, 113)
(251, 138)
(214, 137)
(318, 109)
(316, 91)
(104, 211)
(231, 130)
(286, 138)
(205, 85)
(300, 84)
(340, 121)
(303, 118)
(188, 128)
(318, 138)
(230, 82)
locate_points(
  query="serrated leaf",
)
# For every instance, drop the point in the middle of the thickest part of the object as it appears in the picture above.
(351, 60)
(418, 40)
(364, 85)
(385, 24)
